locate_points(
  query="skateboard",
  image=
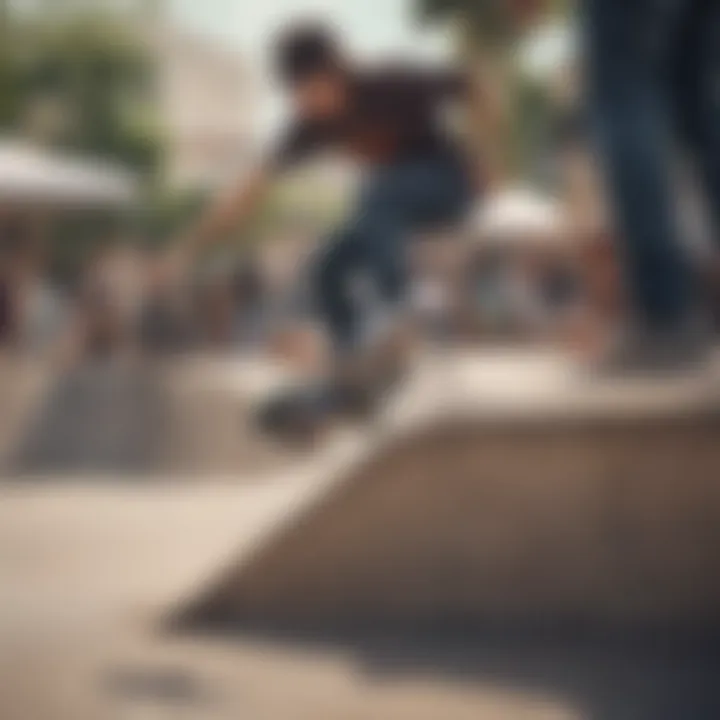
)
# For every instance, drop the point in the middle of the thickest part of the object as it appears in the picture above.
(303, 414)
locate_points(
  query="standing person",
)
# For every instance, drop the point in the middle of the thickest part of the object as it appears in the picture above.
(653, 76)
(7, 305)
(12, 241)
(416, 176)
(7, 309)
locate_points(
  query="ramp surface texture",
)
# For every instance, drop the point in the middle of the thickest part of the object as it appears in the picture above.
(503, 490)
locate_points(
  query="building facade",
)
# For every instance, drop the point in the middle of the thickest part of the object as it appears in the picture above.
(208, 107)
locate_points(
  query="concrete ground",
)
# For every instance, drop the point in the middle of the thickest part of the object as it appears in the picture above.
(89, 572)
(91, 569)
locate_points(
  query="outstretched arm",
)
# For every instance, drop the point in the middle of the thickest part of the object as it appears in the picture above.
(230, 208)
(237, 204)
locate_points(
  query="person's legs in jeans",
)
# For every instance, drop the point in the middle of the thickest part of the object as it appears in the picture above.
(695, 82)
(627, 42)
(335, 267)
(396, 202)
(370, 248)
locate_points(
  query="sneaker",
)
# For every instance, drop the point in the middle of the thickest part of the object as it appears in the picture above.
(297, 413)
(354, 390)
(302, 413)
(377, 366)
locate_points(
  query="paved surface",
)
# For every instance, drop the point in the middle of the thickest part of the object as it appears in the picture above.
(84, 576)
(186, 418)
(518, 493)
(91, 572)
(85, 573)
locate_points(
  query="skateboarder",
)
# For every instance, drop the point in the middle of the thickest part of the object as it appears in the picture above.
(416, 177)
(653, 77)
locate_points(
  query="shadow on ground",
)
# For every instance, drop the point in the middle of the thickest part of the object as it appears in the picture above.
(613, 675)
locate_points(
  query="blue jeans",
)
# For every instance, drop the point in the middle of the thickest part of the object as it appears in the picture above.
(395, 202)
(653, 68)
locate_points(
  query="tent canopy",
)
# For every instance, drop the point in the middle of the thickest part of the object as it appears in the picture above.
(30, 175)
(520, 216)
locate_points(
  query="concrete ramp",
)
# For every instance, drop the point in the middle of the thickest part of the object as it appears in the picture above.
(502, 489)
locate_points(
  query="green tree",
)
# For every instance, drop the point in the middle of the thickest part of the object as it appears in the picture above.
(479, 23)
(80, 81)
(486, 32)
(78, 76)
(494, 22)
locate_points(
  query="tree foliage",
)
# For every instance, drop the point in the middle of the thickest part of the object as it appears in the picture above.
(482, 19)
(82, 82)
(486, 31)
(77, 76)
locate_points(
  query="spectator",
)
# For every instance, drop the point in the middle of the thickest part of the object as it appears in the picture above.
(653, 69)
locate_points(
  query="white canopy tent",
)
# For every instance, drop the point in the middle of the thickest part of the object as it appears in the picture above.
(550, 49)
(520, 217)
(31, 176)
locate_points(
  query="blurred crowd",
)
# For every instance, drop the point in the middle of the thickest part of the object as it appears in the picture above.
(120, 303)
(533, 287)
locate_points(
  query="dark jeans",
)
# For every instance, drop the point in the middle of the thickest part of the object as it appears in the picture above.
(653, 73)
(396, 202)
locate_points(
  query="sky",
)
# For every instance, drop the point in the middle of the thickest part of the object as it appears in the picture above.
(371, 26)
(372, 29)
